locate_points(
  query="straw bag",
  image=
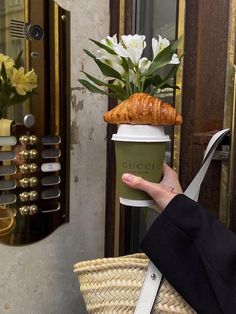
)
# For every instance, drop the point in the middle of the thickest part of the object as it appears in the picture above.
(132, 283)
(112, 285)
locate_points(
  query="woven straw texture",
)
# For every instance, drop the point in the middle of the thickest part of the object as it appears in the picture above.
(112, 285)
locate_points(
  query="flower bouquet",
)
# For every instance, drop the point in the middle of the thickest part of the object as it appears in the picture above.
(136, 81)
(16, 86)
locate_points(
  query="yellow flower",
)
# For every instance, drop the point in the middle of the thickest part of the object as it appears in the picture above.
(22, 82)
(8, 62)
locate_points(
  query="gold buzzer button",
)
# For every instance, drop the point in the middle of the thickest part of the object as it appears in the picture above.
(25, 154)
(33, 168)
(33, 154)
(33, 140)
(33, 181)
(24, 197)
(24, 139)
(33, 209)
(24, 210)
(24, 168)
(24, 182)
(33, 195)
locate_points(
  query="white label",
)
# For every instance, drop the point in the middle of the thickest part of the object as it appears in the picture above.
(50, 166)
(7, 140)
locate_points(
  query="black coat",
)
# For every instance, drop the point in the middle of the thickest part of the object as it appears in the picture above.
(196, 254)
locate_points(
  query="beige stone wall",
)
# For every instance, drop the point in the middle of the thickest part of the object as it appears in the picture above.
(38, 278)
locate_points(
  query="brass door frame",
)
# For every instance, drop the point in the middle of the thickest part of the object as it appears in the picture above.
(179, 82)
(227, 172)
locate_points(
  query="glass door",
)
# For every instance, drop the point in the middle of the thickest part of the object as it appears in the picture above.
(151, 18)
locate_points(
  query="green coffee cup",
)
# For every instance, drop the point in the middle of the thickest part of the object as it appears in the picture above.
(140, 150)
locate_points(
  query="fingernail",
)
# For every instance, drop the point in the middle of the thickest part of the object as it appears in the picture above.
(127, 177)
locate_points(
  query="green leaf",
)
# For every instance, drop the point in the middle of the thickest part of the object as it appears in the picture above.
(125, 65)
(170, 74)
(169, 86)
(89, 54)
(18, 60)
(115, 96)
(93, 79)
(108, 71)
(105, 69)
(130, 64)
(158, 81)
(91, 87)
(3, 72)
(16, 99)
(163, 58)
(108, 49)
(115, 88)
(152, 80)
(4, 100)
(94, 89)
(119, 90)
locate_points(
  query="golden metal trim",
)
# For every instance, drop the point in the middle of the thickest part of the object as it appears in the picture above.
(232, 157)
(229, 120)
(57, 70)
(117, 203)
(122, 18)
(27, 49)
(179, 82)
(26, 106)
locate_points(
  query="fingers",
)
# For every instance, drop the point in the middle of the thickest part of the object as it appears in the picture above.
(159, 192)
(140, 184)
(168, 171)
(170, 179)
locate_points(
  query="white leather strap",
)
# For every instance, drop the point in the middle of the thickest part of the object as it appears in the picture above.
(193, 189)
(151, 286)
(149, 290)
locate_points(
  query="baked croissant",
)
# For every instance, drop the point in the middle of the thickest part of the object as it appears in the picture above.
(141, 108)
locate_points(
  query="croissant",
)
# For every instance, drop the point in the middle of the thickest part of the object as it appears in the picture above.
(141, 108)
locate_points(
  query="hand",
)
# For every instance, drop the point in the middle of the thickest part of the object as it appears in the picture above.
(162, 192)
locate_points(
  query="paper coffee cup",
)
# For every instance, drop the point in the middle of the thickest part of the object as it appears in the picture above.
(140, 150)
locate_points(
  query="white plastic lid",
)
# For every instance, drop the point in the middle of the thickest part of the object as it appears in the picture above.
(136, 203)
(140, 133)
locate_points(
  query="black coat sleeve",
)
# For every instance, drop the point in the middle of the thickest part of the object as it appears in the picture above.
(196, 254)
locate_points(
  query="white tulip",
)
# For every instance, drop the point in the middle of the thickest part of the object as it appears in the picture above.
(131, 46)
(175, 59)
(144, 65)
(109, 41)
(159, 45)
(118, 82)
(132, 76)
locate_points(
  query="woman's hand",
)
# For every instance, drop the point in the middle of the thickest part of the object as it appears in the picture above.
(162, 192)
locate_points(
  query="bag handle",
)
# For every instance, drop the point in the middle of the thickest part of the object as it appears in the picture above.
(193, 189)
(149, 290)
(153, 276)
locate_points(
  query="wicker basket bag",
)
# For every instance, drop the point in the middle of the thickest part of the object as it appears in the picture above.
(112, 285)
